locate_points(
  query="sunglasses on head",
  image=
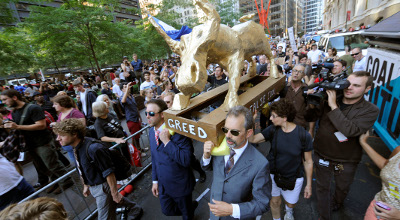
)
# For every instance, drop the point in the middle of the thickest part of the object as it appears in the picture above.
(355, 54)
(151, 114)
(234, 132)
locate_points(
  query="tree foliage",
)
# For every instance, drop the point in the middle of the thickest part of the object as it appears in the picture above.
(86, 34)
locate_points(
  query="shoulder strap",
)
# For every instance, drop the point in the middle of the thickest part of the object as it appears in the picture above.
(274, 140)
(303, 135)
(24, 112)
(89, 142)
(284, 90)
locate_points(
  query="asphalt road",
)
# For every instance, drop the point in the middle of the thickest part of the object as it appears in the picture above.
(366, 184)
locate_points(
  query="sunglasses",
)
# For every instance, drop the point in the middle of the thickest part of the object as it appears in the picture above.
(234, 132)
(151, 114)
(355, 54)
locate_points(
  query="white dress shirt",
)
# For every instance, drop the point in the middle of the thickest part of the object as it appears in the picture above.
(238, 153)
(159, 129)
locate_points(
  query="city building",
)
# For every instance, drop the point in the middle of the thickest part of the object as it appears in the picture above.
(313, 15)
(355, 13)
(21, 10)
(282, 14)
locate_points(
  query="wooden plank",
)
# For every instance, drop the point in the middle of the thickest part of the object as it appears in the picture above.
(208, 128)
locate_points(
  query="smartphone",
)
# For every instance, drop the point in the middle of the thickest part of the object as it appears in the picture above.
(383, 206)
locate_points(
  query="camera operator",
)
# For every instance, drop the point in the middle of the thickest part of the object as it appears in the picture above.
(338, 67)
(336, 146)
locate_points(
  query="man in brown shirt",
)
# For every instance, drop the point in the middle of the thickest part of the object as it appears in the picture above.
(295, 93)
(337, 150)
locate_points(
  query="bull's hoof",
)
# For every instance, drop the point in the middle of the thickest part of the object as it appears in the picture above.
(180, 102)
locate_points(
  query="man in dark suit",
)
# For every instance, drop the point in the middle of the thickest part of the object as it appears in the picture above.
(241, 185)
(173, 179)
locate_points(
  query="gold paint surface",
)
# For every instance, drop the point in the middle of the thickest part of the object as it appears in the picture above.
(213, 42)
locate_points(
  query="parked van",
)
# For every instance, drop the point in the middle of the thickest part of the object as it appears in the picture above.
(340, 40)
(15, 82)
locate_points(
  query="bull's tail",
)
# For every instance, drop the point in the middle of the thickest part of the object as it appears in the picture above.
(246, 18)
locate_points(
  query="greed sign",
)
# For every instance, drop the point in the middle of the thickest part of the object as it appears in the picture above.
(187, 128)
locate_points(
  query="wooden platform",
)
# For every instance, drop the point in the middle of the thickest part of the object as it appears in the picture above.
(203, 127)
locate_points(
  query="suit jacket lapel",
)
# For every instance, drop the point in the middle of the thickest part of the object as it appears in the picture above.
(242, 163)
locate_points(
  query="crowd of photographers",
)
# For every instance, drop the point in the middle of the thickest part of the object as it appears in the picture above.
(319, 121)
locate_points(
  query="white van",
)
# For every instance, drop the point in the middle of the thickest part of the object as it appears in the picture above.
(15, 82)
(340, 40)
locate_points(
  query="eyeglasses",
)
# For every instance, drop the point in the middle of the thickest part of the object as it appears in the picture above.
(234, 132)
(355, 54)
(151, 114)
(274, 116)
(297, 71)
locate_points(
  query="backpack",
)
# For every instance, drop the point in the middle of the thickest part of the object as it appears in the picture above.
(122, 167)
(49, 119)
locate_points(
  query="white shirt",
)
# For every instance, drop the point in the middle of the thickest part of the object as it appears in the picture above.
(9, 177)
(121, 76)
(238, 153)
(30, 91)
(83, 100)
(360, 65)
(313, 55)
(146, 85)
(117, 90)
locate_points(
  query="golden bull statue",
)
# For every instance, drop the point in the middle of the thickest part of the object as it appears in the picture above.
(213, 42)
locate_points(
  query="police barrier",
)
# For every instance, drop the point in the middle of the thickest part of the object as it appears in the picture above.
(73, 174)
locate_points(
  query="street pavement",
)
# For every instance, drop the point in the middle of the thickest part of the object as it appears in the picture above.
(366, 184)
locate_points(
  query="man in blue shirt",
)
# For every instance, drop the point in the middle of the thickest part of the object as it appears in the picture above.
(137, 67)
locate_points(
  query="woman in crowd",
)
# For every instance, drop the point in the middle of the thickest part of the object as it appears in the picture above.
(126, 67)
(386, 203)
(332, 54)
(291, 58)
(167, 86)
(109, 102)
(291, 148)
(66, 107)
(108, 128)
(148, 94)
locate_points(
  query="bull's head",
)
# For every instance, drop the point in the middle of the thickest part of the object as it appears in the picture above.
(193, 48)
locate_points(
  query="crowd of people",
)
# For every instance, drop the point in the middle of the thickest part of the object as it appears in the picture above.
(82, 117)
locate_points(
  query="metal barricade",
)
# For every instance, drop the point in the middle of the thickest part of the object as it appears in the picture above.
(90, 209)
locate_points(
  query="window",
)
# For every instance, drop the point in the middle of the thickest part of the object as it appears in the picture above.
(339, 42)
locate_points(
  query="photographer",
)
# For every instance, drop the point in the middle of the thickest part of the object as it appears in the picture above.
(338, 67)
(336, 146)
(127, 71)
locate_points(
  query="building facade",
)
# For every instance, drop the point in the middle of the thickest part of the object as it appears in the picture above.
(21, 10)
(355, 13)
(282, 14)
(313, 15)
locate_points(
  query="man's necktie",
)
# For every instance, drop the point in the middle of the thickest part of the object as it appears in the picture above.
(229, 164)
(157, 137)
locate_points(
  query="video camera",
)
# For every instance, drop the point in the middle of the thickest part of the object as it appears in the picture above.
(328, 82)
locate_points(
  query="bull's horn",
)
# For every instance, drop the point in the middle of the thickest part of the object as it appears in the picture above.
(246, 18)
(173, 44)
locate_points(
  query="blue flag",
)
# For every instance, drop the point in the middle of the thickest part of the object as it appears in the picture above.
(171, 31)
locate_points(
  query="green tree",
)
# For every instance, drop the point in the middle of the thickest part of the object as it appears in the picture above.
(15, 52)
(78, 34)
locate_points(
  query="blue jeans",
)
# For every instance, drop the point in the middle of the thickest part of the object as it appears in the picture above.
(70, 151)
(18, 193)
